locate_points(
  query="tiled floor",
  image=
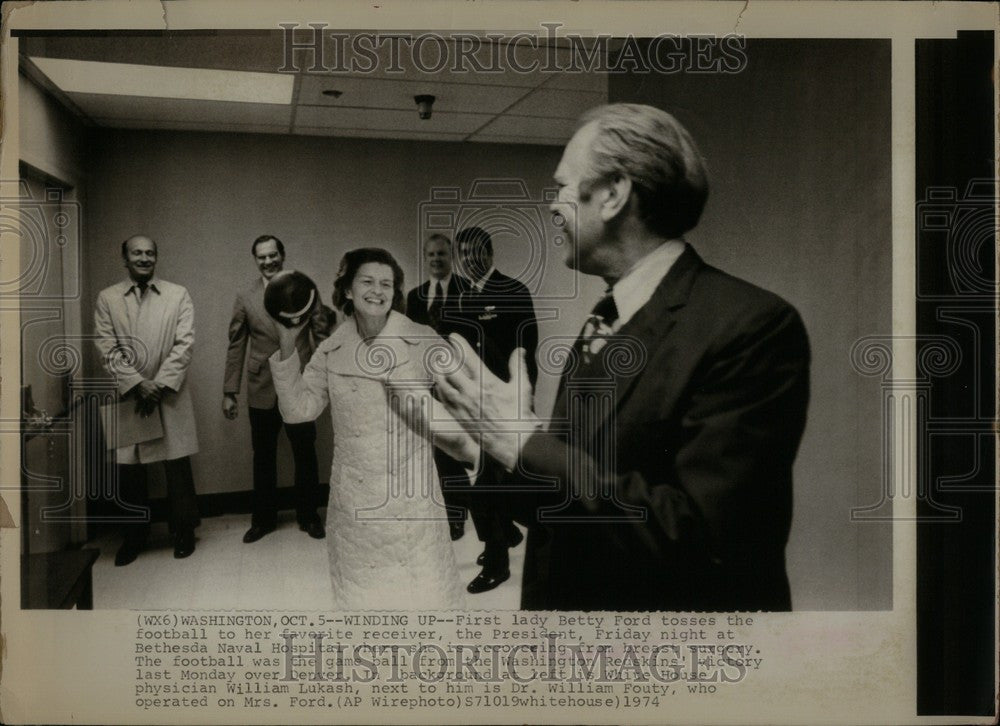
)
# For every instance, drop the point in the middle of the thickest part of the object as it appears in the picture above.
(286, 570)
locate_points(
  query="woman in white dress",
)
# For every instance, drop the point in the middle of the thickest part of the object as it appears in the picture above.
(387, 528)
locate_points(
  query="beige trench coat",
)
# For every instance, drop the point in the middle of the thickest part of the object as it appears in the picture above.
(152, 339)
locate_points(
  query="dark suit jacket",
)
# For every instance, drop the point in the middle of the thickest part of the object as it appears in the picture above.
(251, 327)
(677, 495)
(452, 472)
(498, 320)
(416, 303)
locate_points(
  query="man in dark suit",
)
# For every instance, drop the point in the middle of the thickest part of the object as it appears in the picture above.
(496, 316)
(435, 303)
(663, 480)
(252, 328)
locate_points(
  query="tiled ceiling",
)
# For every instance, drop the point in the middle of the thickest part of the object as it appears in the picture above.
(499, 106)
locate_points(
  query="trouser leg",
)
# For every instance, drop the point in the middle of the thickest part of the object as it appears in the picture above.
(454, 485)
(302, 437)
(133, 489)
(493, 524)
(181, 495)
(265, 423)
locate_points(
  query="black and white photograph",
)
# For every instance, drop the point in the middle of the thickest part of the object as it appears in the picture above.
(502, 325)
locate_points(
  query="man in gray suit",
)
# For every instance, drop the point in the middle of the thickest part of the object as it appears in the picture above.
(251, 327)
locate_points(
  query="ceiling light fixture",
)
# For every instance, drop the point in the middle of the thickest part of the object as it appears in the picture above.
(199, 84)
(424, 103)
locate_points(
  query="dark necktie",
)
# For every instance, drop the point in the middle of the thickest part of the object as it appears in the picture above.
(434, 311)
(598, 327)
(141, 288)
(592, 338)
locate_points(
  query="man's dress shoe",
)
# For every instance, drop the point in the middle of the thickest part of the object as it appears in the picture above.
(487, 580)
(127, 553)
(184, 544)
(313, 528)
(255, 533)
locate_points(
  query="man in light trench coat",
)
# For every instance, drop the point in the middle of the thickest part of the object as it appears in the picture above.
(144, 329)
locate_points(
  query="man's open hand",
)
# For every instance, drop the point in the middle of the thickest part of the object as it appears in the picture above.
(229, 407)
(485, 405)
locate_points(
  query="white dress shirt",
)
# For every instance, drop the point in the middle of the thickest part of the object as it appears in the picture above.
(445, 281)
(479, 284)
(635, 287)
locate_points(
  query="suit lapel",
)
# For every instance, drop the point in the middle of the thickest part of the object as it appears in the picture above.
(420, 314)
(262, 321)
(623, 360)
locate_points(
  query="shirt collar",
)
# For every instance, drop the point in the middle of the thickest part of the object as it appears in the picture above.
(445, 281)
(479, 284)
(636, 287)
(153, 285)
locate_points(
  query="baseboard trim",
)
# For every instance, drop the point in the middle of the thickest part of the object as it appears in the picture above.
(239, 502)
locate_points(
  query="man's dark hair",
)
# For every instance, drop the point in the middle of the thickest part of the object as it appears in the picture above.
(478, 237)
(264, 238)
(349, 266)
(652, 148)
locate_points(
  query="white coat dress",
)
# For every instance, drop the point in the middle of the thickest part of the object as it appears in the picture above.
(387, 528)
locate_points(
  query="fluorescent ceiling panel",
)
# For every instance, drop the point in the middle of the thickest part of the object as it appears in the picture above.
(202, 84)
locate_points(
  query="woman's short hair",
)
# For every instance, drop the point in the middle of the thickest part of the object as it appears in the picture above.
(348, 270)
(652, 148)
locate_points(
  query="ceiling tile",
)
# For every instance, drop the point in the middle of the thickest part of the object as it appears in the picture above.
(543, 128)
(593, 81)
(387, 93)
(377, 134)
(386, 119)
(556, 103)
(98, 105)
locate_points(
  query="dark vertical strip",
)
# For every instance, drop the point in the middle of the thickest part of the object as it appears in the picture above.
(955, 308)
